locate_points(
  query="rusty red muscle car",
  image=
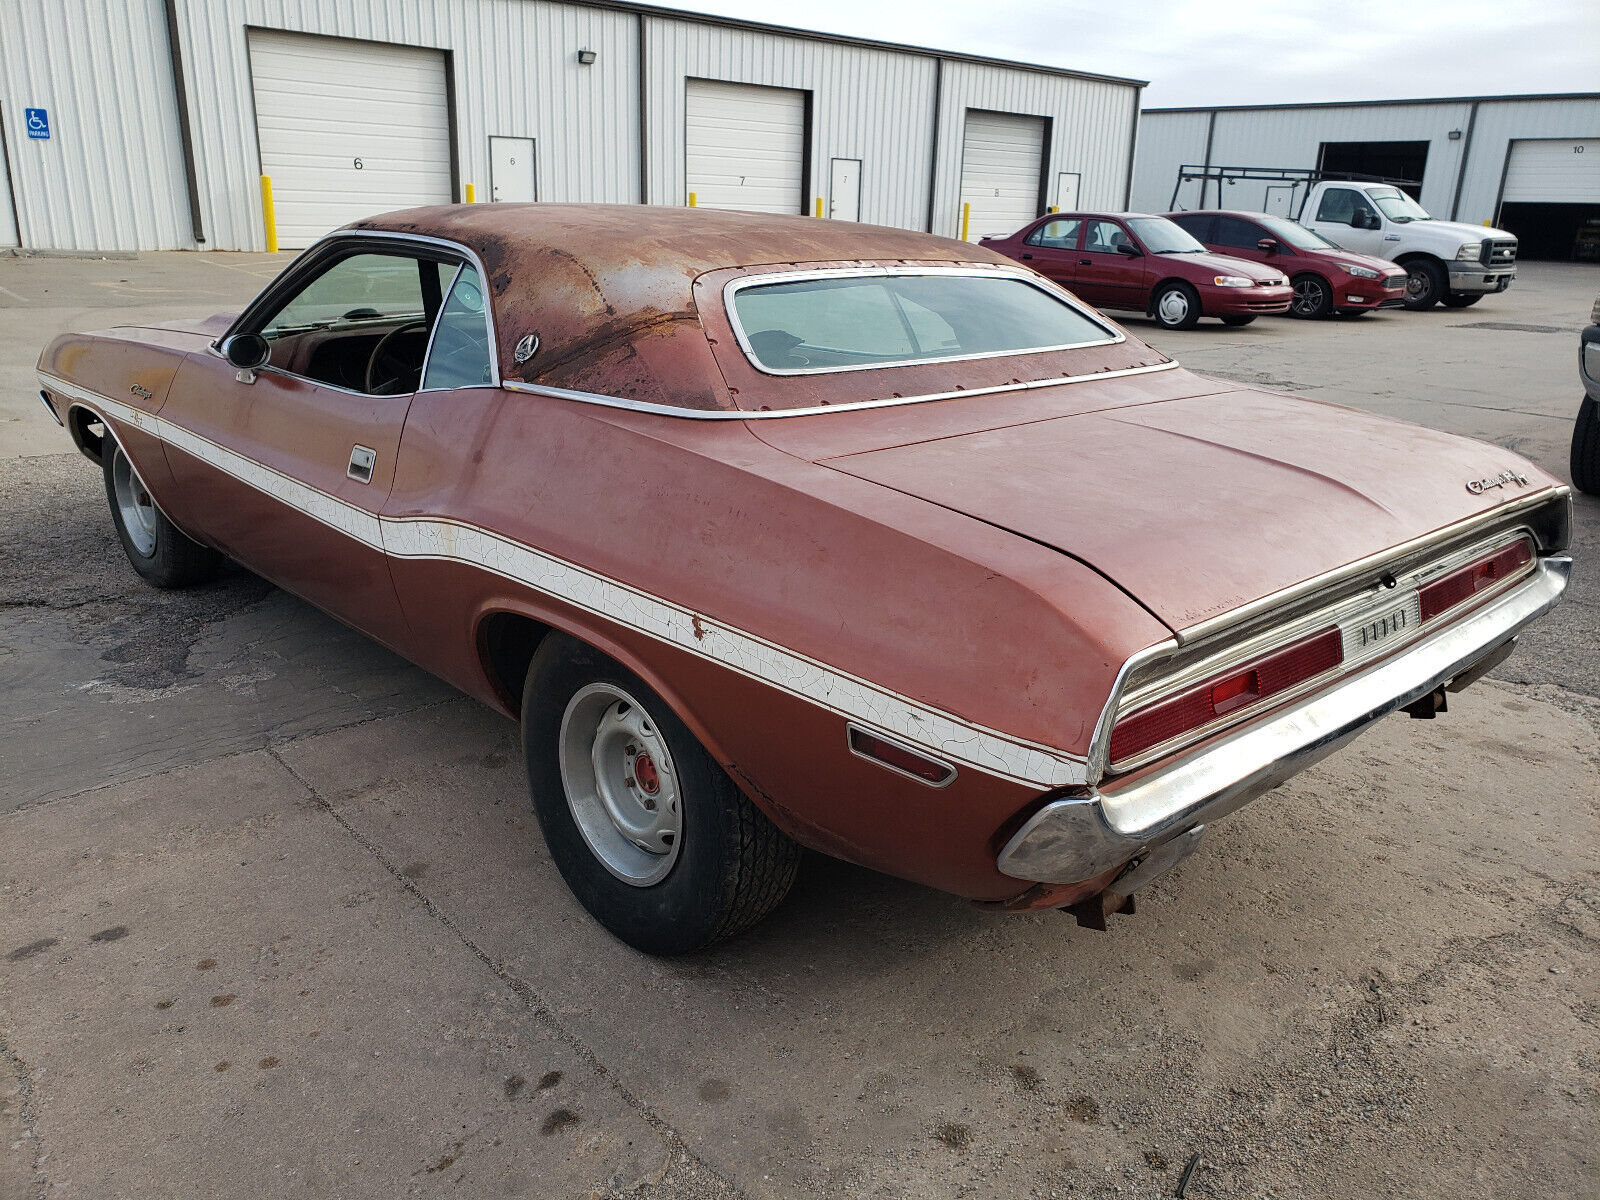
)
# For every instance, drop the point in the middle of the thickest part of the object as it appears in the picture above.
(777, 532)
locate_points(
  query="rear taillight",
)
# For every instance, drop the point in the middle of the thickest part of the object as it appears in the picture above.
(1462, 584)
(1228, 692)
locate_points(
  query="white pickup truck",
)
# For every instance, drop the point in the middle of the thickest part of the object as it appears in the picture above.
(1446, 262)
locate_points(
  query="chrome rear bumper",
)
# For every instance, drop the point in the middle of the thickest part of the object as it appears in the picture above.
(1078, 837)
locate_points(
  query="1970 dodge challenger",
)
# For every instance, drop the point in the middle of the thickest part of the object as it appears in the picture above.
(776, 532)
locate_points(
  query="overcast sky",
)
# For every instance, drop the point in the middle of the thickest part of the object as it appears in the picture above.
(1243, 51)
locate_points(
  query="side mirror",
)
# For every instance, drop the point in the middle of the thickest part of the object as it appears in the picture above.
(247, 351)
(1129, 249)
(1269, 245)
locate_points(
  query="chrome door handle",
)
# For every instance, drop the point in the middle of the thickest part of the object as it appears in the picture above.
(362, 459)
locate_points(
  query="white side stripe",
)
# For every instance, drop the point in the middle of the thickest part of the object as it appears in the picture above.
(942, 733)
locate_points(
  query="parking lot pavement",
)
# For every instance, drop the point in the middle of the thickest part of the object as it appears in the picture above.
(1379, 980)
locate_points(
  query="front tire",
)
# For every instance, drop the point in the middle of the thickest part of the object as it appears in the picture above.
(1586, 448)
(1460, 299)
(158, 550)
(1426, 284)
(1176, 306)
(1313, 297)
(648, 831)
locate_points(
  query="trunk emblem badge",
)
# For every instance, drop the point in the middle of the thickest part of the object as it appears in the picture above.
(1479, 486)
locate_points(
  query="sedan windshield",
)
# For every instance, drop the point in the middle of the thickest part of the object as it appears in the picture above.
(845, 322)
(1161, 236)
(1297, 237)
(1398, 206)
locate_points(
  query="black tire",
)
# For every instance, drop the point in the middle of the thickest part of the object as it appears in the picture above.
(1460, 299)
(160, 552)
(1181, 311)
(1586, 448)
(732, 865)
(1426, 284)
(1238, 320)
(1313, 297)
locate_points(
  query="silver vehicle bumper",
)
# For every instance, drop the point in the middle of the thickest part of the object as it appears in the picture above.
(1475, 277)
(1079, 837)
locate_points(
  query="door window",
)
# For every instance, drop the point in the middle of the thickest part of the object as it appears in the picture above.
(1056, 235)
(361, 323)
(1339, 205)
(1242, 235)
(1103, 237)
(460, 356)
(1196, 225)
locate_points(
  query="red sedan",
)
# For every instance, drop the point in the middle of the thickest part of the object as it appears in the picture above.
(1325, 278)
(1148, 265)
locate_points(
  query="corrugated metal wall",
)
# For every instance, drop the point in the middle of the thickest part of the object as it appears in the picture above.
(8, 218)
(110, 176)
(1292, 137)
(113, 176)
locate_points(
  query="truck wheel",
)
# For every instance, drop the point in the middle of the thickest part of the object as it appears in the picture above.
(1586, 448)
(159, 551)
(1313, 298)
(1176, 306)
(1460, 299)
(1426, 284)
(650, 834)
(1238, 319)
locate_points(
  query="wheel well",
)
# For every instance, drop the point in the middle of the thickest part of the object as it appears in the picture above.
(88, 432)
(506, 643)
(1415, 255)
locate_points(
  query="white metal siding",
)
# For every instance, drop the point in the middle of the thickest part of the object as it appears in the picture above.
(110, 177)
(8, 218)
(1002, 158)
(744, 146)
(347, 129)
(1558, 171)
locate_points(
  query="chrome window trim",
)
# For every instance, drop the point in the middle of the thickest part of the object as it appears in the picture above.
(817, 410)
(734, 286)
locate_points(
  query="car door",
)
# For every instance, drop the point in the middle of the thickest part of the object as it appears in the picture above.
(1052, 249)
(1105, 275)
(1336, 215)
(286, 467)
(1239, 238)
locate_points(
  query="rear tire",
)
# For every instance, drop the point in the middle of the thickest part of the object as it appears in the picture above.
(1237, 320)
(1460, 299)
(158, 550)
(1586, 448)
(1176, 306)
(650, 834)
(1426, 284)
(1313, 297)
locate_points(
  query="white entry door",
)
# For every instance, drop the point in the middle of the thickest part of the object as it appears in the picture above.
(844, 190)
(1067, 191)
(511, 171)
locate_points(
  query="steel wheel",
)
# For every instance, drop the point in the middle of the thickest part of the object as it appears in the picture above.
(140, 517)
(621, 784)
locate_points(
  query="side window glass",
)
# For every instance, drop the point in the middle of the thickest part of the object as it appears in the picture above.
(1056, 235)
(461, 355)
(1338, 204)
(373, 288)
(1197, 227)
(1104, 237)
(1241, 234)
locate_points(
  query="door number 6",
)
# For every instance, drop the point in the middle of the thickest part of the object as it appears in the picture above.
(358, 164)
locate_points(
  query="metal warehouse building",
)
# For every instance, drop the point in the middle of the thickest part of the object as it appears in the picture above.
(147, 124)
(1528, 164)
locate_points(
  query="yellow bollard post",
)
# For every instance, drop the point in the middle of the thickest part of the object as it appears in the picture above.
(1053, 208)
(469, 194)
(269, 215)
(692, 200)
(819, 208)
(966, 221)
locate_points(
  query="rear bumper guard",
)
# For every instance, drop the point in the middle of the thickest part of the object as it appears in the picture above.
(1079, 837)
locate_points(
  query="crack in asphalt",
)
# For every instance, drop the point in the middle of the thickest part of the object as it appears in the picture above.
(524, 991)
(26, 1111)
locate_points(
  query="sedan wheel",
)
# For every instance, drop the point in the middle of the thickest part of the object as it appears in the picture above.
(648, 831)
(158, 549)
(1312, 297)
(1177, 306)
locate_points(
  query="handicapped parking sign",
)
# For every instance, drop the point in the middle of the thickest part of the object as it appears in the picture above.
(38, 122)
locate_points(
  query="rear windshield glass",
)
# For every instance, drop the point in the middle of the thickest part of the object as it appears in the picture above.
(837, 323)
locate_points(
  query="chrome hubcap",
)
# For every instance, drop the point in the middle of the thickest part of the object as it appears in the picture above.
(1307, 296)
(1173, 307)
(621, 784)
(134, 505)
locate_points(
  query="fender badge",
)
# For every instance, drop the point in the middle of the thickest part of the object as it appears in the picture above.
(527, 346)
(142, 393)
(1479, 486)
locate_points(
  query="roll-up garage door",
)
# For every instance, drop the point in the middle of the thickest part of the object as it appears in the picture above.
(1553, 172)
(745, 146)
(348, 129)
(1002, 161)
